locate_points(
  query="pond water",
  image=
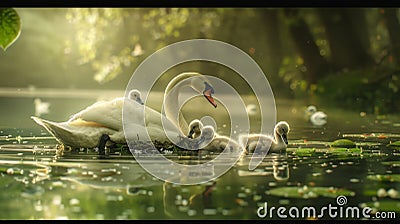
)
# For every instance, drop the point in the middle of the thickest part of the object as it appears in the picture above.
(36, 182)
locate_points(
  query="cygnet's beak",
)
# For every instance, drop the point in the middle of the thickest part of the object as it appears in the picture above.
(208, 91)
(284, 138)
(140, 101)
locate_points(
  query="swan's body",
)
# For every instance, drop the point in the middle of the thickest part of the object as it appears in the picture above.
(262, 142)
(85, 128)
(102, 121)
(81, 134)
(218, 143)
(317, 118)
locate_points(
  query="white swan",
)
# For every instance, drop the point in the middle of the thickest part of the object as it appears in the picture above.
(102, 121)
(218, 143)
(107, 113)
(80, 132)
(260, 142)
(194, 80)
(317, 118)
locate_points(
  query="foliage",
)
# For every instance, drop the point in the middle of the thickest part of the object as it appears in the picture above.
(107, 44)
(370, 90)
(98, 28)
(10, 27)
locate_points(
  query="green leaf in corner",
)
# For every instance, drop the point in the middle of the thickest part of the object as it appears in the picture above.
(10, 27)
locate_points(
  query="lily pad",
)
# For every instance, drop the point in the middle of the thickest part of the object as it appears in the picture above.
(304, 151)
(343, 143)
(309, 192)
(10, 27)
(341, 151)
(384, 205)
(392, 163)
(395, 144)
(385, 177)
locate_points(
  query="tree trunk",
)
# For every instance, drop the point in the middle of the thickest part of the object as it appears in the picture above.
(393, 28)
(347, 49)
(360, 25)
(303, 39)
(272, 41)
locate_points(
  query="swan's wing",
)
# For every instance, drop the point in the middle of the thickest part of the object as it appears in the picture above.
(137, 123)
(52, 127)
(252, 142)
(85, 136)
(105, 113)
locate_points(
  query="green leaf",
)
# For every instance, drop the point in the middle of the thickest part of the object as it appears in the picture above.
(346, 143)
(304, 151)
(10, 27)
(395, 144)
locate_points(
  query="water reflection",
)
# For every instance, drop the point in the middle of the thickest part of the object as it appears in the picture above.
(220, 197)
(38, 183)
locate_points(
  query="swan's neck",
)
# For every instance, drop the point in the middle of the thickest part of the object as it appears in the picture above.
(171, 97)
(278, 139)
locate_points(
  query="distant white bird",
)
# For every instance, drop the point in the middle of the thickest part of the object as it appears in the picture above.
(317, 118)
(41, 107)
(251, 109)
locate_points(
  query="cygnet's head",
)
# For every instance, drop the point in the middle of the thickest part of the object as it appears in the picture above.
(207, 132)
(282, 129)
(195, 128)
(135, 95)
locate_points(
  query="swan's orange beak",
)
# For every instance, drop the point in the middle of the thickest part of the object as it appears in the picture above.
(207, 94)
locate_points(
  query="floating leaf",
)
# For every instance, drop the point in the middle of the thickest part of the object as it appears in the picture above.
(304, 151)
(392, 163)
(346, 143)
(341, 151)
(385, 177)
(385, 205)
(372, 135)
(10, 27)
(309, 192)
(395, 144)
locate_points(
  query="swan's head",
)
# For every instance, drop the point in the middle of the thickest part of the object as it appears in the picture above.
(282, 129)
(311, 109)
(135, 95)
(195, 128)
(202, 85)
(37, 101)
